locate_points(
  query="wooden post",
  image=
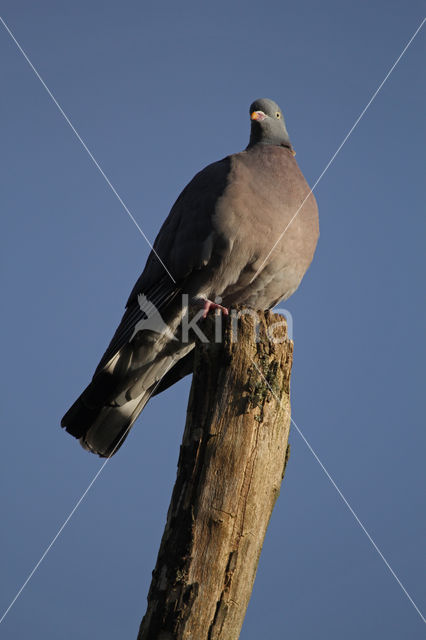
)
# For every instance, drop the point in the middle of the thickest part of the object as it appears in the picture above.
(231, 464)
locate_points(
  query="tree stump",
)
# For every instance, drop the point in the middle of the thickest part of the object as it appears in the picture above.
(232, 461)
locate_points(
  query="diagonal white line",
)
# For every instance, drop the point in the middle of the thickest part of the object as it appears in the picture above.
(358, 520)
(345, 501)
(345, 139)
(48, 548)
(152, 248)
(90, 154)
(74, 509)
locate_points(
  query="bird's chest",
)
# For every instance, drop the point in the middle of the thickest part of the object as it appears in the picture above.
(257, 206)
(270, 225)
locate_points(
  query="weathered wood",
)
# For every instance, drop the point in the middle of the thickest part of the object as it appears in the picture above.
(232, 461)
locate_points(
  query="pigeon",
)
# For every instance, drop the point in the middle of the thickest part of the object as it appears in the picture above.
(243, 232)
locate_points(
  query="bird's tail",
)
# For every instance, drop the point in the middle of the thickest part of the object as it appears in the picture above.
(103, 415)
(102, 429)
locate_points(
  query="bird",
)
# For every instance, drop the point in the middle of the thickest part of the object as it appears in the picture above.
(242, 232)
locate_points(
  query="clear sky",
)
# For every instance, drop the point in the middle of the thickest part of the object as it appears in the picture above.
(157, 91)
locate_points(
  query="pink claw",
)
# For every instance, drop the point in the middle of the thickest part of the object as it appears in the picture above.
(209, 305)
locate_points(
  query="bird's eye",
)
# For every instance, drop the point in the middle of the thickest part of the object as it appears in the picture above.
(278, 114)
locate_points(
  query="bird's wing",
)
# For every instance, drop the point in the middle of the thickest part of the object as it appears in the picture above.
(186, 244)
(186, 240)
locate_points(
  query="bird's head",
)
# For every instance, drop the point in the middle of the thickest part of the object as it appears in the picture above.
(267, 124)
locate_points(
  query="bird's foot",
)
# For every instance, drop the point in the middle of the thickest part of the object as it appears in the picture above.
(213, 306)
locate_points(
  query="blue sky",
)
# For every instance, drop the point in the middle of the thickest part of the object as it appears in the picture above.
(157, 91)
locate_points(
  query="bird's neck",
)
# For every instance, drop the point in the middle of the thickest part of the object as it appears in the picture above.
(260, 140)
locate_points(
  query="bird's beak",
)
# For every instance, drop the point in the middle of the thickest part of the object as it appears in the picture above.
(258, 115)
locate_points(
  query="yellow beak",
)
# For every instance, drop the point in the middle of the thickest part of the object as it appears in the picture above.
(257, 115)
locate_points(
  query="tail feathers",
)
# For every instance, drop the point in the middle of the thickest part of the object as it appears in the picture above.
(79, 418)
(102, 429)
(182, 368)
(103, 415)
(85, 410)
(111, 427)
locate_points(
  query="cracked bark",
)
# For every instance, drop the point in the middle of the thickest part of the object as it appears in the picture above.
(232, 461)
